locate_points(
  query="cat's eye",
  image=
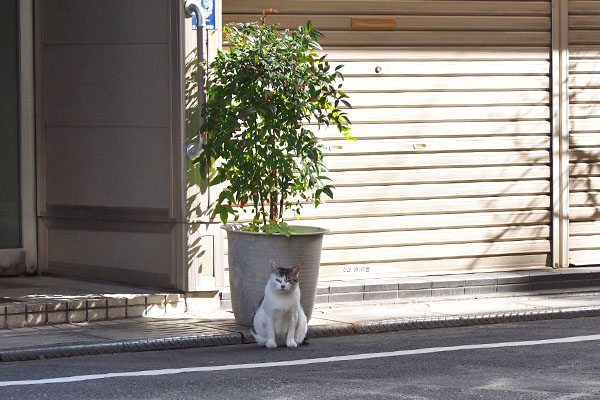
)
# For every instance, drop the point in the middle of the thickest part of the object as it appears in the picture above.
(278, 280)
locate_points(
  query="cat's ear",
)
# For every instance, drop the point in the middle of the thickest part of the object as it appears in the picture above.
(274, 268)
(295, 271)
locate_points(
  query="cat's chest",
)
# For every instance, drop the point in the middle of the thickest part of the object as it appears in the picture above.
(282, 303)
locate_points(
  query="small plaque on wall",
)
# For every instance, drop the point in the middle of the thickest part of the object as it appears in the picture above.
(384, 23)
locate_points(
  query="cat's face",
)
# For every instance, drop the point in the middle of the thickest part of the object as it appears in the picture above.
(284, 279)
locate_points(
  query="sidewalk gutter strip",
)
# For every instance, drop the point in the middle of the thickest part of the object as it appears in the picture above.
(35, 353)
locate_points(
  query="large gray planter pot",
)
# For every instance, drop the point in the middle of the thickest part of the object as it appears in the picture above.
(249, 268)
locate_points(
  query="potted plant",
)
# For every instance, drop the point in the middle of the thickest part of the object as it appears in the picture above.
(264, 98)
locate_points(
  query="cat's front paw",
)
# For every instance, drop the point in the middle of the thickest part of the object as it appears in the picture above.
(270, 345)
(291, 343)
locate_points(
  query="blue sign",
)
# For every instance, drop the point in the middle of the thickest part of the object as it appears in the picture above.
(209, 14)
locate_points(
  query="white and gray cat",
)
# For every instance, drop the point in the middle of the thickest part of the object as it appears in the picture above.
(280, 319)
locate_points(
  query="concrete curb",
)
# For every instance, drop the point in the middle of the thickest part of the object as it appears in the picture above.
(58, 351)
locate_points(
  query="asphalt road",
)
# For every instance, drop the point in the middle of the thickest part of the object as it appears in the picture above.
(509, 361)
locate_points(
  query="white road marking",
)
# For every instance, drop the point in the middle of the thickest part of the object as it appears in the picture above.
(352, 357)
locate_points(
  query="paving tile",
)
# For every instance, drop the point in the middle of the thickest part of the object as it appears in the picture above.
(96, 314)
(172, 298)
(56, 306)
(414, 283)
(450, 281)
(36, 308)
(321, 298)
(377, 285)
(519, 287)
(343, 297)
(178, 308)
(155, 310)
(225, 295)
(381, 295)
(508, 278)
(57, 317)
(344, 287)
(77, 305)
(539, 277)
(136, 300)
(322, 290)
(480, 279)
(96, 303)
(117, 302)
(450, 291)
(402, 294)
(15, 308)
(116, 312)
(16, 320)
(474, 290)
(155, 299)
(76, 316)
(35, 319)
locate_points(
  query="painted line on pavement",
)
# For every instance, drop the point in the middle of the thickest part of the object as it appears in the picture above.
(308, 361)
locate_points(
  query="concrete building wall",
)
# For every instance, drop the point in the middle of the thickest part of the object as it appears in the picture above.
(110, 196)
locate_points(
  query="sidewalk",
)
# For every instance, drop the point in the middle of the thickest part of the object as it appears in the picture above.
(218, 327)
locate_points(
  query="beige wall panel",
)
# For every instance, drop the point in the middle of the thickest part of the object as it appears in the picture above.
(467, 98)
(438, 236)
(583, 38)
(403, 22)
(442, 221)
(436, 53)
(446, 175)
(584, 52)
(438, 145)
(109, 167)
(582, 140)
(583, 95)
(107, 85)
(584, 199)
(584, 110)
(362, 7)
(448, 129)
(584, 154)
(583, 257)
(428, 267)
(339, 209)
(585, 228)
(383, 254)
(68, 21)
(108, 140)
(135, 251)
(452, 161)
(460, 83)
(422, 160)
(584, 81)
(449, 190)
(584, 66)
(578, 213)
(447, 113)
(447, 38)
(585, 169)
(444, 67)
(422, 206)
(585, 183)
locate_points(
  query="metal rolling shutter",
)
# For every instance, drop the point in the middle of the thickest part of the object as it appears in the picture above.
(584, 132)
(451, 168)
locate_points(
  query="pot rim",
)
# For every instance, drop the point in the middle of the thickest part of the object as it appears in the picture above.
(304, 230)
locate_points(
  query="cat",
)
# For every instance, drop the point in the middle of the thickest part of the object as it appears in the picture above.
(280, 318)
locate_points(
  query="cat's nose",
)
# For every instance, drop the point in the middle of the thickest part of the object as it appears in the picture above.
(282, 287)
